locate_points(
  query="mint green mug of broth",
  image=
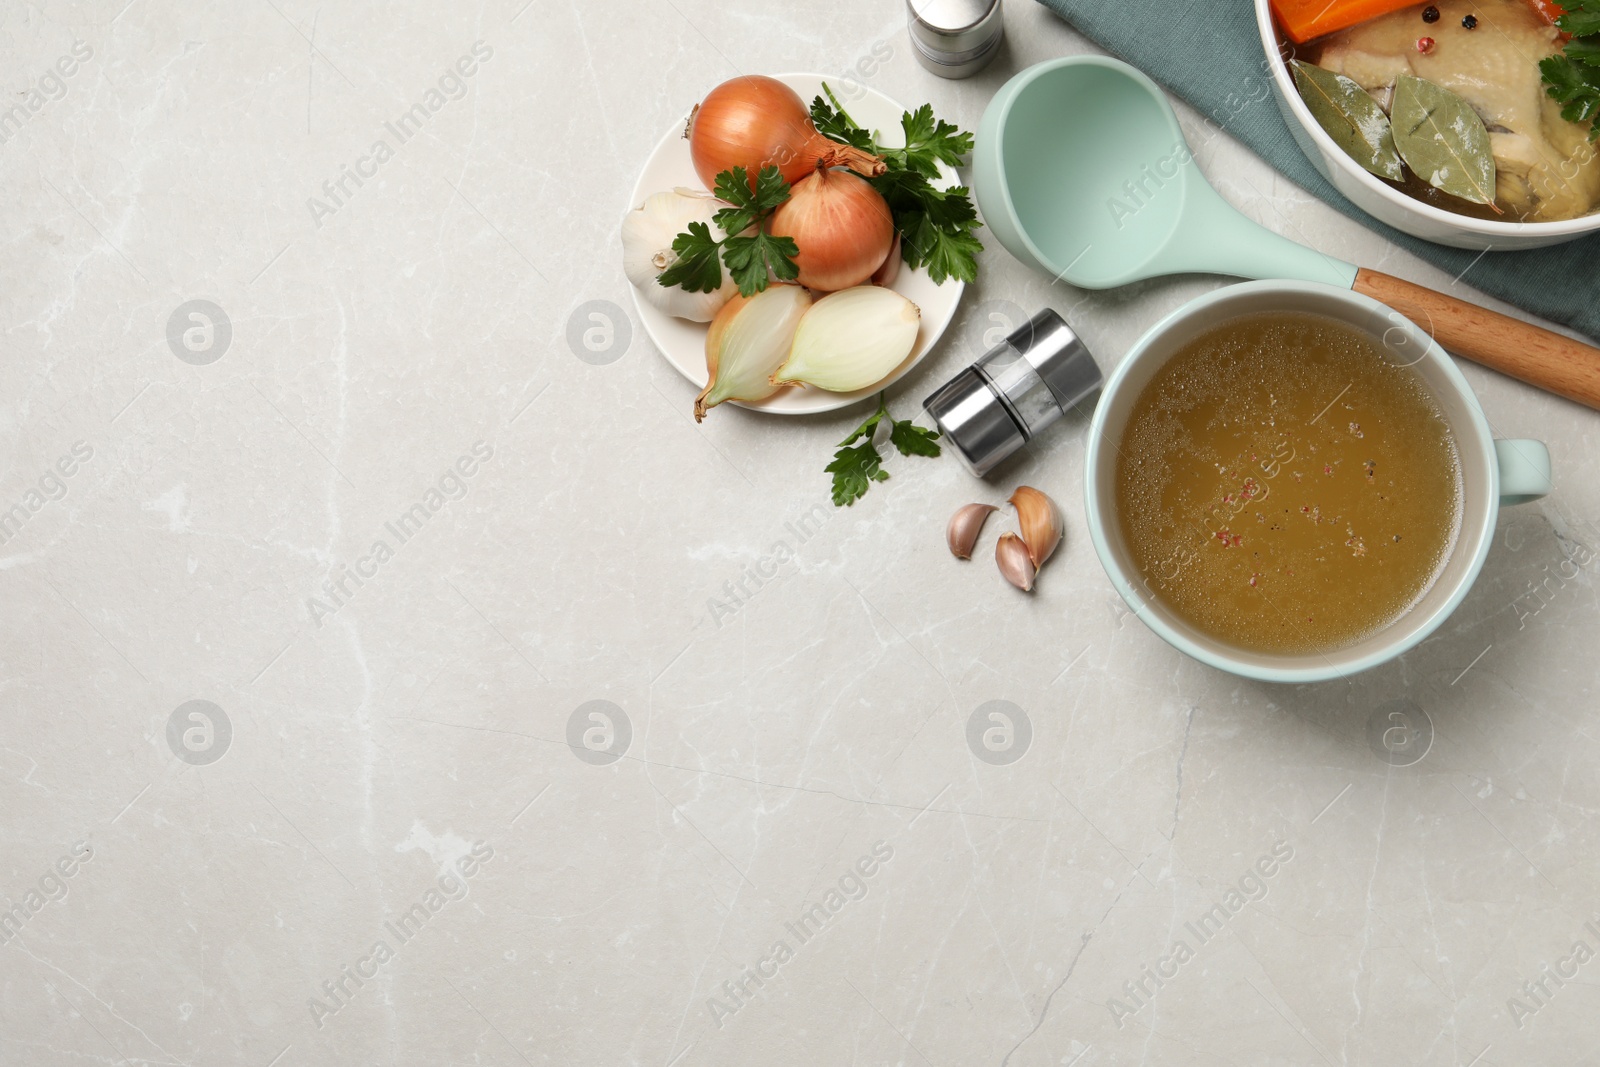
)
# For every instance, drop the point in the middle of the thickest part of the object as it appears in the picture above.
(1461, 522)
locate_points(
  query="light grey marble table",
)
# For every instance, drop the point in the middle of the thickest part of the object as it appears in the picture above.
(373, 843)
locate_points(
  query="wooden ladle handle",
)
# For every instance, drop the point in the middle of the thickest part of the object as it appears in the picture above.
(1527, 352)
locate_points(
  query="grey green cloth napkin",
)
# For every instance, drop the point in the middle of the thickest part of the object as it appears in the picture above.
(1209, 53)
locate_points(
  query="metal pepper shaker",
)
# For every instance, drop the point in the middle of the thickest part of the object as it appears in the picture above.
(955, 38)
(1013, 391)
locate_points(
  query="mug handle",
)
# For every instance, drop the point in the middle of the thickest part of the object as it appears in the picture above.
(1524, 470)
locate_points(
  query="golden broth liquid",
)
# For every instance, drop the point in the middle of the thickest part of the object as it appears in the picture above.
(1285, 488)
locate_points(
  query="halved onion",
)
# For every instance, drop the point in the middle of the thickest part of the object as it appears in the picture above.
(747, 341)
(851, 339)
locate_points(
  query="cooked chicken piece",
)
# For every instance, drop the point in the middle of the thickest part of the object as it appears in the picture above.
(1546, 167)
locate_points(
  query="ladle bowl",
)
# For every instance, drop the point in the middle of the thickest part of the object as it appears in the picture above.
(1082, 171)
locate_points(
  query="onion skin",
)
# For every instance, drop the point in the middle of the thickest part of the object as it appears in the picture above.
(754, 121)
(719, 324)
(842, 226)
(886, 274)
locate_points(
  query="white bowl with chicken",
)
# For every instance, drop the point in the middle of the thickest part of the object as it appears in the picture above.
(1547, 183)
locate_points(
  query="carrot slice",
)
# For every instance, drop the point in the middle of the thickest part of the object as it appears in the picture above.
(1307, 19)
(1548, 10)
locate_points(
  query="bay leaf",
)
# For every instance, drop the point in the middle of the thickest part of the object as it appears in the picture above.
(1351, 117)
(1443, 140)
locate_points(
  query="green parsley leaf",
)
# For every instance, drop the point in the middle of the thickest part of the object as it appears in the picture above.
(1573, 78)
(1577, 86)
(914, 440)
(734, 187)
(1582, 18)
(856, 466)
(832, 122)
(931, 141)
(749, 204)
(936, 225)
(854, 470)
(696, 268)
(866, 429)
(749, 258)
(1584, 50)
(947, 253)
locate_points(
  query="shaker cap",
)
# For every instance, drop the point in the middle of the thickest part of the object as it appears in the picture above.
(955, 38)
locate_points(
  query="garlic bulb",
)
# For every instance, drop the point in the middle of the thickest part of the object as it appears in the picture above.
(747, 341)
(647, 233)
(851, 339)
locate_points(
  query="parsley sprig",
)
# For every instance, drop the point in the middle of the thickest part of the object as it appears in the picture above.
(1573, 78)
(1582, 18)
(748, 256)
(857, 465)
(935, 225)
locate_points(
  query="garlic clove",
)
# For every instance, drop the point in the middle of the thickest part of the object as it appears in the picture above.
(1011, 556)
(1040, 521)
(851, 339)
(746, 342)
(962, 532)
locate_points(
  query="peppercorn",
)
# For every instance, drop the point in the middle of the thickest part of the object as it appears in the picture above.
(1425, 45)
(1430, 14)
(1470, 22)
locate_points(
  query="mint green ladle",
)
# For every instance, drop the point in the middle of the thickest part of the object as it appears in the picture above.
(1082, 171)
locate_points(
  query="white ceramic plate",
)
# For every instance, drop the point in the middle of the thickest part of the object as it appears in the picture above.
(684, 342)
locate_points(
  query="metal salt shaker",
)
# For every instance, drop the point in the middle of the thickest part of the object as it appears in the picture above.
(1013, 391)
(955, 38)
